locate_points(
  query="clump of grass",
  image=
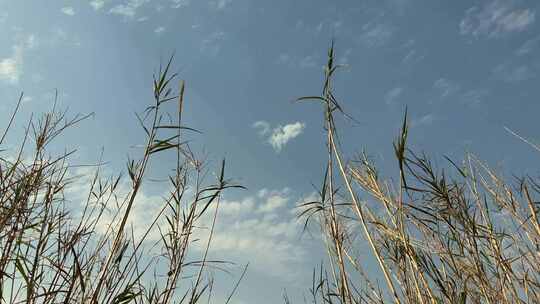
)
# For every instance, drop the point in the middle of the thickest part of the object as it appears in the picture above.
(49, 255)
(464, 235)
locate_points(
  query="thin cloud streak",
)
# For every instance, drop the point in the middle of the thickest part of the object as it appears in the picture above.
(496, 19)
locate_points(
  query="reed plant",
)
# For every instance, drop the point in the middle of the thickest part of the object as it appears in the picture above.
(50, 253)
(460, 235)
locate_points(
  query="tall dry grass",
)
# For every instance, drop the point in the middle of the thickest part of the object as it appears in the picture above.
(50, 255)
(460, 235)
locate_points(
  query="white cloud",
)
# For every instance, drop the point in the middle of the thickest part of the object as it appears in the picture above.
(159, 30)
(97, 4)
(275, 200)
(259, 228)
(238, 208)
(11, 67)
(180, 3)
(446, 87)
(145, 209)
(123, 10)
(27, 99)
(517, 20)
(495, 19)
(392, 95)
(68, 10)
(263, 126)
(280, 135)
(127, 9)
(221, 4)
(424, 120)
(283, 134)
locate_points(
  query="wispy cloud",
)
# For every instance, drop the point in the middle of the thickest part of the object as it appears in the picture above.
(344, 59)
(127, 9)
(512, 73)
(262, 126)
(27, 99)
(97, 4)
(283, 58)
(220, 4)
(279, 136)
(413, 55)
(425, 120)
(495, 19)
(392, 95)
(11, 67)
(474, 97)
(123, 10)
(332, 26)
(375, 34)
(159, 30)
(180, 3)
(274, 200)
(308, 61)
(529, 46)
(399, 6)
(59, 35)
(68, 10)
(211, 45)
(283, 134)
(445, 88)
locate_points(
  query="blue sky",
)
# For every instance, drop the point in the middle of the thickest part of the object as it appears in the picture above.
(464, 69)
